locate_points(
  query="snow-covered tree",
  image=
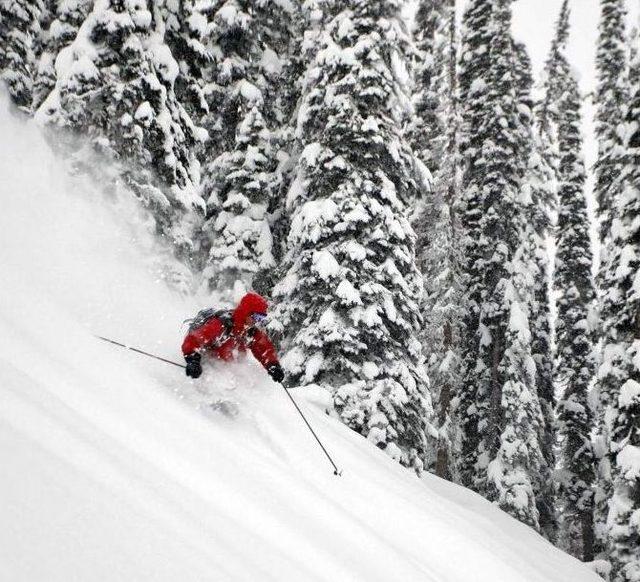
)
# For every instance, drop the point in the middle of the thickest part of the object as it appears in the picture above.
(623, 416)
(610, 99)
(241, 174)
(474, 70)
(634, 61)
(427, 127)
(248, 42)
(348, 303)
(115, 86)
(280, 24)
(547, 110)
(186, 32)
(537, 197)
(541, 179)
(66, 19)
(501, 425)
(284, 69)
(19, 28)
(575, 304)
(241, 238)
(433, 135)
(513, 443)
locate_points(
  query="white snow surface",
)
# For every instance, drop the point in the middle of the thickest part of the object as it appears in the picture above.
(117, 467)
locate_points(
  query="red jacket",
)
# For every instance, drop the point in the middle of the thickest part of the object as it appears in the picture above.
(205, 338)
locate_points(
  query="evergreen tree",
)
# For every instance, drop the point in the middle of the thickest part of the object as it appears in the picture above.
(248, 42)
(228, 41)
(280, 26)
(241, 238)
(349, 301)
(66, 18)
(634, 61)
(548, 113)
(285, 78)
(540, 180)
(611, 98)
(433, 135)
(512, 446)
(427, 128)
(186, 35)
(242, 175)
(624, 414)
(573, 279)
(474, 70)
(537, 196)
(503, 423)
(115, 85)
(19, 29)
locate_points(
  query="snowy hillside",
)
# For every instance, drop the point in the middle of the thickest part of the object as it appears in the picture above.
(115, 467)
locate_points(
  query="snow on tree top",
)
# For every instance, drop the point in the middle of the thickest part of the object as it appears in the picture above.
(629, 394)
(348, 293)
(325, 264)
(629, 462)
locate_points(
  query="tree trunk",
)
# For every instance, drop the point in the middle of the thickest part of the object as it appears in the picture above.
(442, 455)
(493, 443)
(588, 539)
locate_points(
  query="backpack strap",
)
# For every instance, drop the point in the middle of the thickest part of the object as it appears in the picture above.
(225, 317)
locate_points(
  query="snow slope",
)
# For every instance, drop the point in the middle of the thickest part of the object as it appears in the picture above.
(115, 467)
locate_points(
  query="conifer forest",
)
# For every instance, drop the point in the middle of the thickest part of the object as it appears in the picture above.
(413, 200)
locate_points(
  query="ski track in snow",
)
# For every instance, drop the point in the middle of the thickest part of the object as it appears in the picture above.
(116, 467)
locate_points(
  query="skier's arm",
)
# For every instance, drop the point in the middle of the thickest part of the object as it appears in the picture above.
(263, 350)
(198, 339)
(265, 353)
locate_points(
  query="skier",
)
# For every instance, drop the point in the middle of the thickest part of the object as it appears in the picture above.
(226, 334)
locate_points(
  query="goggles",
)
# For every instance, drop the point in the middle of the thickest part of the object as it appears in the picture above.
(259, 318)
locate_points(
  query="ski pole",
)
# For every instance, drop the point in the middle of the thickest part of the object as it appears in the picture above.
(115, 343)
(335, 469)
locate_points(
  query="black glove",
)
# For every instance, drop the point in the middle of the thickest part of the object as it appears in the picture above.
(276, 372)
(194, 368)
